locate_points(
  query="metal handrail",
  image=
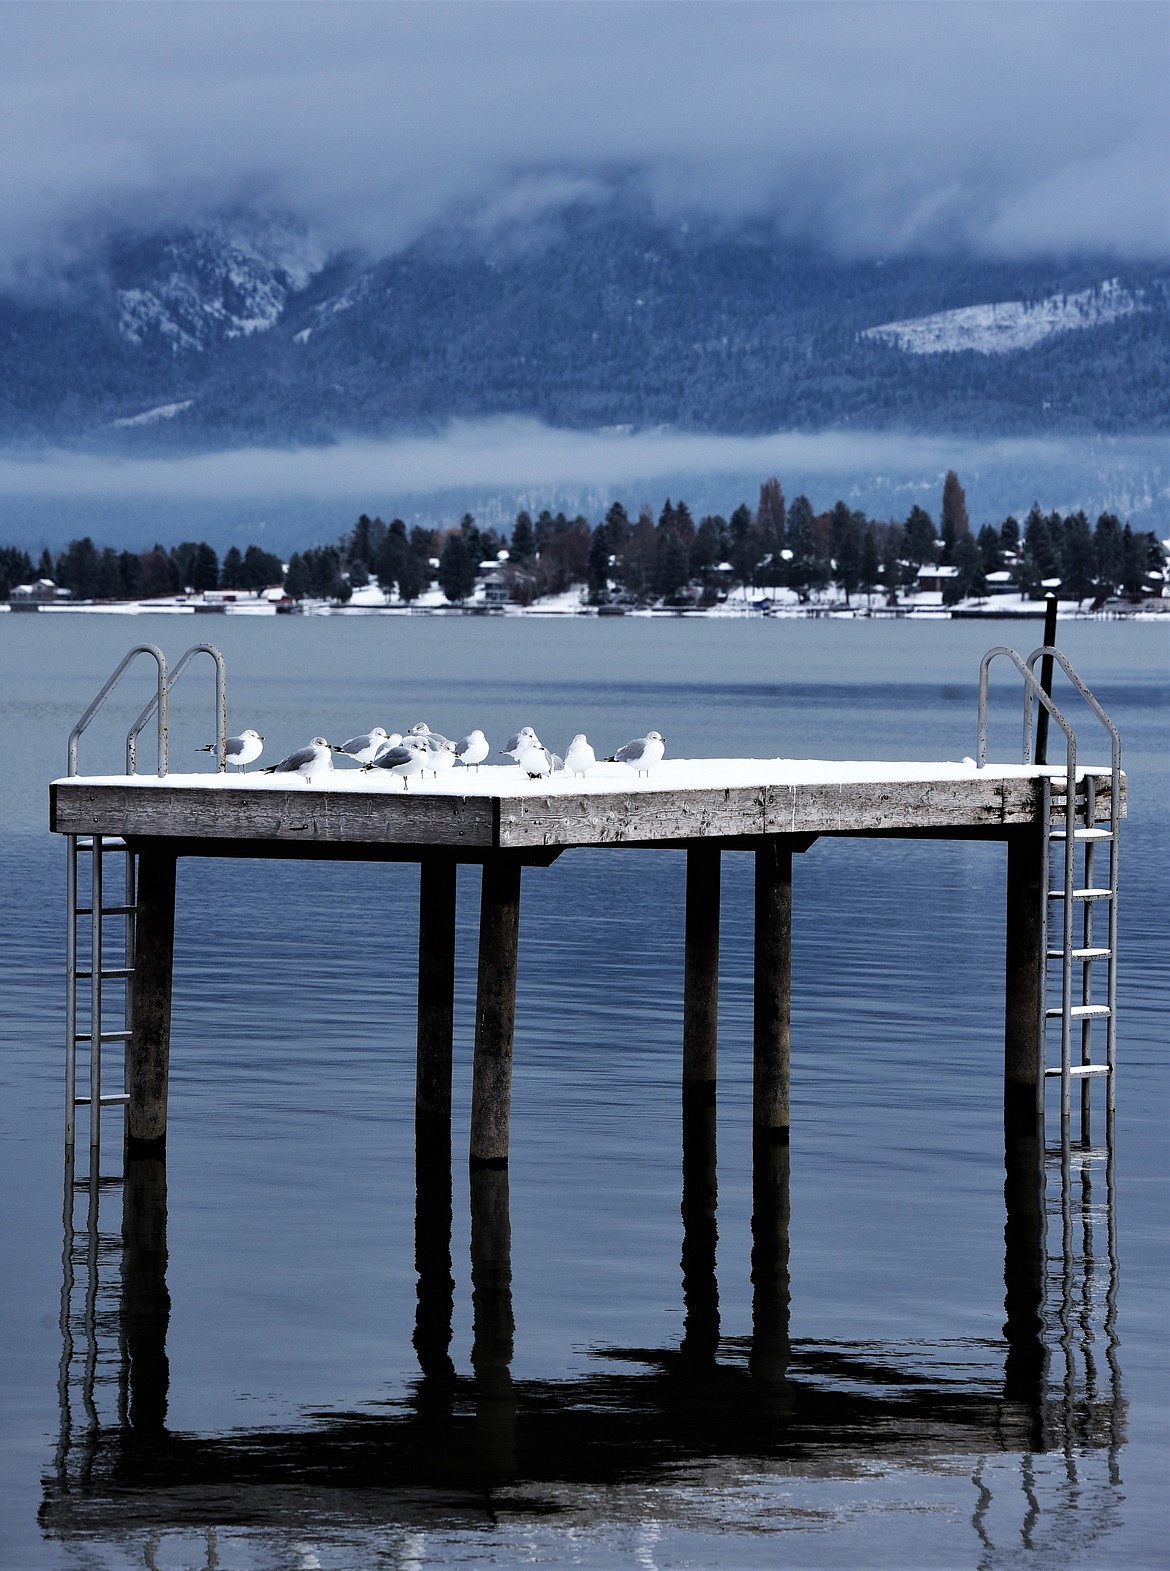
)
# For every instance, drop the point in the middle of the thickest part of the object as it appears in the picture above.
(1049, 652)
(220, 707)
(1033, 689)
(159, 703)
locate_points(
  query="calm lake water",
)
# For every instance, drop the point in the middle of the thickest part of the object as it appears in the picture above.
(266, 1368)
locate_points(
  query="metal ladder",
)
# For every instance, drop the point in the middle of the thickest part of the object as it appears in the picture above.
(86, 940)
(1075, 950)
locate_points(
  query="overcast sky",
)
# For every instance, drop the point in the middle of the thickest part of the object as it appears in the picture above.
(1014, 126)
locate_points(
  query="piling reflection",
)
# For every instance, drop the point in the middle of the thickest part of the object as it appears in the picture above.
(1044, 1432)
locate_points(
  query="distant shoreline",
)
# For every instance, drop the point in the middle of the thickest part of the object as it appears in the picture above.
(1150, 610)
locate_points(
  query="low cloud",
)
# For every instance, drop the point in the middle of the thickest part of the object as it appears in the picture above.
(874, 126)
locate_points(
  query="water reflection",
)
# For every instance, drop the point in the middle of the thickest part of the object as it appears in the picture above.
(1043, 1434)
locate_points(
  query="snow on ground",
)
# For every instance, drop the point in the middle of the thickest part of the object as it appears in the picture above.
(1009, 325)
(671, 775)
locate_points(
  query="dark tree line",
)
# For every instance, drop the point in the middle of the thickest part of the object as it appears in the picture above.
(672, 559)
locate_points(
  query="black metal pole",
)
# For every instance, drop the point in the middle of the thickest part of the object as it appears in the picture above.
(1046, 678)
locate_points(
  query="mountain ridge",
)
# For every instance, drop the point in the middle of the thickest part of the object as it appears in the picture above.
(247, 332)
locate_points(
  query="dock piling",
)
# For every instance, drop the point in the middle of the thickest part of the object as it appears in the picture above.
(701, 971)
(436, 988)
(495, 1011)
(1024, 981)
(148, 1058)
(772, 1024)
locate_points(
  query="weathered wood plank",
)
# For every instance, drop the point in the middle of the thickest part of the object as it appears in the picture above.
(495, 1011)
(149, 1055)
(302, 815)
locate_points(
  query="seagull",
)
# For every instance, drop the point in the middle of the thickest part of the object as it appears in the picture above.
(524, 738)
(536, 761)
(580, 756)
(641, 754)
(441, 749)
(409, 757)
(306, 761)
(362, 748)
(473, 749)
(240, 750)
(393, 740)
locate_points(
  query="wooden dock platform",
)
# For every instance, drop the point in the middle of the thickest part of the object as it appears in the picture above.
(500, 819)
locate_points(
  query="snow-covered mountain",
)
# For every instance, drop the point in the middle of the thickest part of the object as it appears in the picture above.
(219, 281)
(1009, 325)
(245, 331)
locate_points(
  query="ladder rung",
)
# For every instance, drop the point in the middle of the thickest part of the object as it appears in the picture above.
(1079, 1071)
(1081, 1012)
(1082, 894)
(107, 1036)
(112, 974)
(1081, 834)
(115, 1099)
(108, 911)
(1080, 954)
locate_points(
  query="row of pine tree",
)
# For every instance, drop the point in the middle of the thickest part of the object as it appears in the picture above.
(672, 559)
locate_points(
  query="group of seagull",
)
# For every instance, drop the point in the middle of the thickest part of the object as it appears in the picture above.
(420, 750)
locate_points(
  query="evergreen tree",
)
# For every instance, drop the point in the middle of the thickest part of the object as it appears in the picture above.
(456, 568)
(710, 545)
(542, 531)
(1080, 558)
(418, 572)
(953, 518)
(671, 566)
(870, 562)
(1009, 536)
(231, 572)
(390, 563)
(523, 546)
(204, 568)
(744, 543)
(845, 533)
(130, 574)
(801, 544)
(771, 516)
(109, 576)
(77, 569)
(1134, 555)
(45, 565)
(260, 569)
(159, 574)
(1107, 542)
(598, 569)
(891, 566)
(471, 539)
(15, 568)
(296, 581)
(988, 542)
(970, 579)
(920, 537)
(617, 529)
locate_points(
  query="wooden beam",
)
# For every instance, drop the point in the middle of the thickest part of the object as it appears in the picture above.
(149, 1050)
(495, 1011)
(700, 1338)
(701, 970)
(771, 1351)
(1023, 1083)
(772, 1034)
(436, 987)
(145, 1305)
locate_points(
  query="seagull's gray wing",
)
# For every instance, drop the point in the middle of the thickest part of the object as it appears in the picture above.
(356, 744)
(294, 761)
(234, 745)
(632, 753)
(511, 744)
(390, 757)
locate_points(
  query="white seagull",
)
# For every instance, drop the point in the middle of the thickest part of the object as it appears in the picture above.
(525, 738)
(473, 749)
(306, 761)
(410, 757)
(642, 753)
(580, 757)
(240, 750)
(362, 748)
(536, 761)
(441, 749)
